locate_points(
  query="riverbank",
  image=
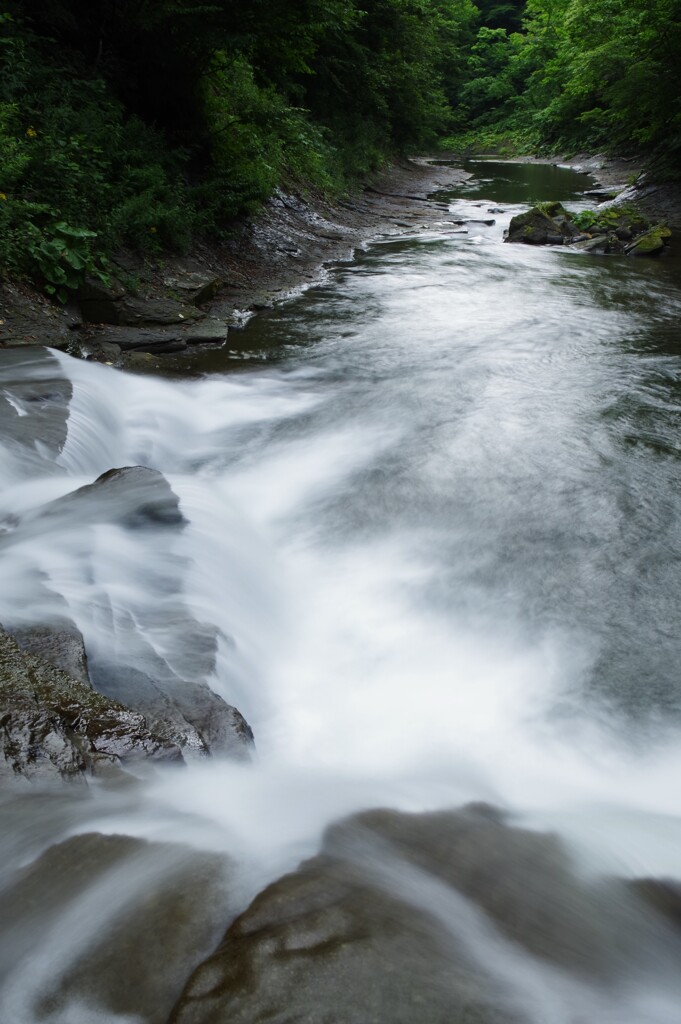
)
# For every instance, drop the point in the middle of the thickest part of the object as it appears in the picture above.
(169, 307)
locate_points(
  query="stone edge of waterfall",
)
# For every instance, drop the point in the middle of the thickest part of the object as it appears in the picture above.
(65, 715)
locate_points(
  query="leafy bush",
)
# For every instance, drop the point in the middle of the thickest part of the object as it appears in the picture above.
(62, 257)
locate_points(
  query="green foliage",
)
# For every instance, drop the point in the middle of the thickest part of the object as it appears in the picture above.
(489, 71)
(62, 257)
(601, 73)
(152, 124)
(494, 138)
(605, 221)
(578, 74)
(74, 157)
(258, 141)
(148, 125)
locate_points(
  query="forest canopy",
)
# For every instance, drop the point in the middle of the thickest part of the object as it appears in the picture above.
(154, 122)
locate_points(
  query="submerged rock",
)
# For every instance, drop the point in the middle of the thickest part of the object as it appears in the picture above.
(34, 409)
(134, 497)
(198, 720)
(664, 894)
(53, 727)
(405, 918)
(112, 922)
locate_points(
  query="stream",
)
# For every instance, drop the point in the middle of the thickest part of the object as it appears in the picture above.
(432, 512)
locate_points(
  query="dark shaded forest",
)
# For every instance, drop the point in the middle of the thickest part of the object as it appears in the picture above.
(152, 123)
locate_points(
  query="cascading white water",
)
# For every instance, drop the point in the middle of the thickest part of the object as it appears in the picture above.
(436, 544)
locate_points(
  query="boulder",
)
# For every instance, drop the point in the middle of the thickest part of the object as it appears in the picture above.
(221, 728)
(198, 720)
(622, 222)
(54, 727)
(132, 496)
(405, 918)
(663, 894)
(537, 225)
(652, 243)
(612, 229)
(598, 244)
(112, 923)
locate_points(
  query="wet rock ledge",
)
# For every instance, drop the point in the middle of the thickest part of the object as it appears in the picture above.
(70, 713)
(54, 727)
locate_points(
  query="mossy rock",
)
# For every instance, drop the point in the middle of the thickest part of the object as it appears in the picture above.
(552, 209)
(652, 243)
(54, 727)
(544, 224)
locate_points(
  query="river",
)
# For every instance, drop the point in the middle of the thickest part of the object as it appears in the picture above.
(434, 504)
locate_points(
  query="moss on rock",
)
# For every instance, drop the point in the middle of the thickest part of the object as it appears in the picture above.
(652, 243)
(54, 727)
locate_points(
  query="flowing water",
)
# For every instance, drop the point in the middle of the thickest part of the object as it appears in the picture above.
(436, 511)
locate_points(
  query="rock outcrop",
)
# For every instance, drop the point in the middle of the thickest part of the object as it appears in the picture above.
(651, 243)
(154, 325)
(54, 727)
(152, 655)
(406, 918)
(198, 720)
(60, 644)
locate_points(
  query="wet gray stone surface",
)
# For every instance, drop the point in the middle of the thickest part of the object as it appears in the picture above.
(398, 920)
(54, 728)
(110, 922)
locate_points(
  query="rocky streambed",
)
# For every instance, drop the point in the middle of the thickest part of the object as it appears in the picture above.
(70, 713)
